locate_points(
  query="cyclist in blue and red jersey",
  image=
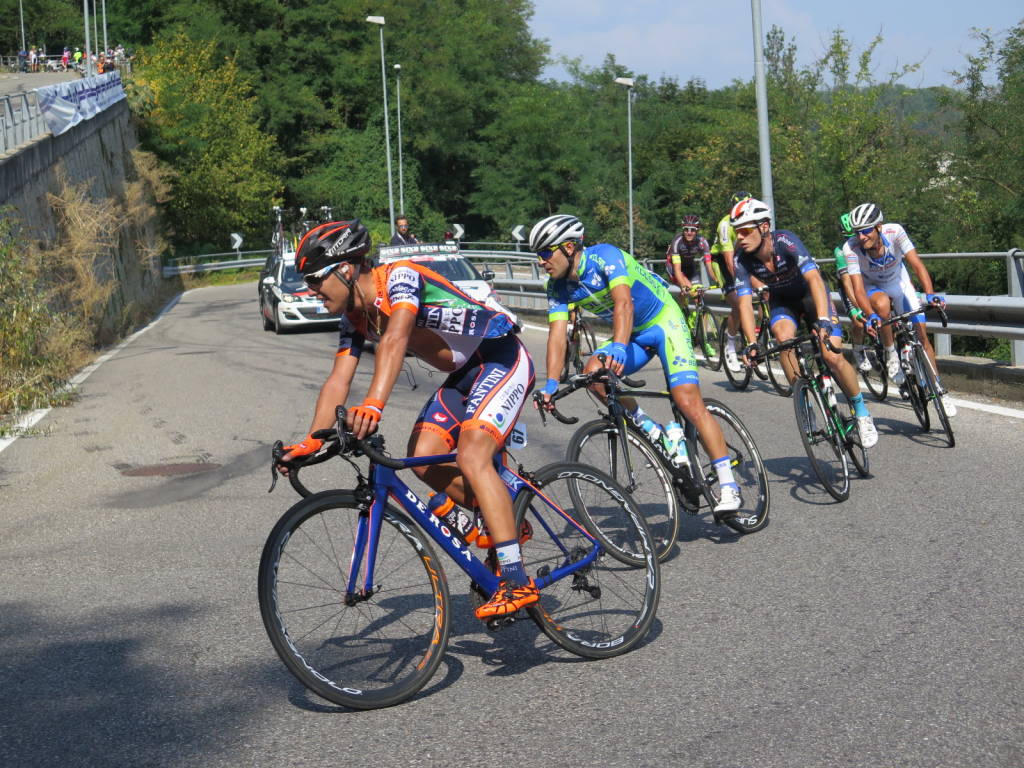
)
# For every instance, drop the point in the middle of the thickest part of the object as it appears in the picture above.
(405, 306)
(779, 261)
(645, 319)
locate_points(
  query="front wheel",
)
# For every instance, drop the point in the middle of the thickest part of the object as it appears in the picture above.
(773, 364)
(821, 440)
(598, 444)
(747, 469)
(607, 606)
(368, 647)
(931, 388)
(705, 339)
(917, 394)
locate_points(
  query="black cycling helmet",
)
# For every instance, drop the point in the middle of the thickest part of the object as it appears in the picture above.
(691, 220)
(332, 243)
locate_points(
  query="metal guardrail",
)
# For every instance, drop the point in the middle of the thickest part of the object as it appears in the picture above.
(520, 281)
(20, 120)
(188, 265)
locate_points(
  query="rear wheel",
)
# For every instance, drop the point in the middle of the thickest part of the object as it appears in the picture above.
(857, 452)
(876, 379)
(822, 442)
(741, 378)
(606, 607)
(598, 444)
(747, 469)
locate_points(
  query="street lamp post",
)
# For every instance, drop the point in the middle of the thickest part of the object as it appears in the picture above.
(379, 20)
(761, 90)
(398, 99)
(105, 48)
(21, 13)
(88, 60)
(628, 82)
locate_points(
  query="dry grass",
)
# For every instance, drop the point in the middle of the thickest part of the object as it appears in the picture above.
(56, 318)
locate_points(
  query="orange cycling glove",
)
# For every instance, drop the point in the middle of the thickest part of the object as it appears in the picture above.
(308, 445)
(370, 409)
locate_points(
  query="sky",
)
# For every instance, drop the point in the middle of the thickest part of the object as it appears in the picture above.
(714, 40)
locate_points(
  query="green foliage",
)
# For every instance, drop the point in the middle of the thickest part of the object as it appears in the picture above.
(49, 24)
(197, 114)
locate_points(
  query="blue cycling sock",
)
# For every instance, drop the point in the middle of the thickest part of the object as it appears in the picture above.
(510, 558)
(859, 409)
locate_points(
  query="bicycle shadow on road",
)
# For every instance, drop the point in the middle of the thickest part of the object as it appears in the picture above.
(701, 527)
(796, 475)
(911, 430)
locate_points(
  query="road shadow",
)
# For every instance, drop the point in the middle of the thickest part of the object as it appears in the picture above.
(98, 691)
(797, 475)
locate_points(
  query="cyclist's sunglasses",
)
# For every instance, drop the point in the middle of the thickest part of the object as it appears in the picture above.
(547, 253)
(316, 279)
(866, 231)
(744, 231)
(689, 229)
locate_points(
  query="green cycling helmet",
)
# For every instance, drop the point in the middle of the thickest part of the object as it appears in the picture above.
(845, 226)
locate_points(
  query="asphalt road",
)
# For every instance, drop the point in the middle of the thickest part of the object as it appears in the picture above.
(884, 631)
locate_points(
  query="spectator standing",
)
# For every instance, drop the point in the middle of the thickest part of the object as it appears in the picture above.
(402, 234)
(65, 59)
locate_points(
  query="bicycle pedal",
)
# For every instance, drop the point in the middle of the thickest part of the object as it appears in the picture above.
(499, 623)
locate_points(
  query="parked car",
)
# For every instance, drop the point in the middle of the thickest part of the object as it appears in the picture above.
(286, 302)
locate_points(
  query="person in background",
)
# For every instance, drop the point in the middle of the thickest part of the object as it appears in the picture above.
(402, 234)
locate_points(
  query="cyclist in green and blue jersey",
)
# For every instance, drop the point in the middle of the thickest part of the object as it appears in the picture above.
(646, 321)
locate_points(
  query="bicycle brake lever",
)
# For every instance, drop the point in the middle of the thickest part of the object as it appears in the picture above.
(275, 456)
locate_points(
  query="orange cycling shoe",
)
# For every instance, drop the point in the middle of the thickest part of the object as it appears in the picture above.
(508, 599)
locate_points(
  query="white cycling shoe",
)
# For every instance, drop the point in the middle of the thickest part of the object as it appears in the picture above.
(730, 500)
(732, 360)
(866, 430)
(861, 359)
(895, 371)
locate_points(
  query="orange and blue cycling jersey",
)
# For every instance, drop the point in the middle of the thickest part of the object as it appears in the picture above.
(490, 373)
(445, 312)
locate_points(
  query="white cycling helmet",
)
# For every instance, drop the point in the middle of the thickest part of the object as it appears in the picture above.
(749, 211)
(555, 230)
(865, 215)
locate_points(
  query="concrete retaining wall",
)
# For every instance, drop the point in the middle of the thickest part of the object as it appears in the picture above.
(95, 154)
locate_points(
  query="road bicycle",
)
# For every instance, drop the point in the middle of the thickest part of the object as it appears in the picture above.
(581, 344)
(660, 485)
(703, 327)
(921, 384)
(764, 368)
(830, 438)
(356, 602)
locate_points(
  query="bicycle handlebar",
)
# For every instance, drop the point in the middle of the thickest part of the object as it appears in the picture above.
(943, 317)
(603, 376)
(783, 346)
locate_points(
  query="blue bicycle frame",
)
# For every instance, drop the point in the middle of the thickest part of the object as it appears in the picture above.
(385, 483)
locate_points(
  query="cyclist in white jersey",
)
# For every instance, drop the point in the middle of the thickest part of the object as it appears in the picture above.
(876, 256)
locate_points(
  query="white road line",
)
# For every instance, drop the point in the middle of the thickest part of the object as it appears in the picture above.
(32, 418)
(999, 410)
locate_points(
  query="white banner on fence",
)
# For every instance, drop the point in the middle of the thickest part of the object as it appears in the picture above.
(67, 104)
